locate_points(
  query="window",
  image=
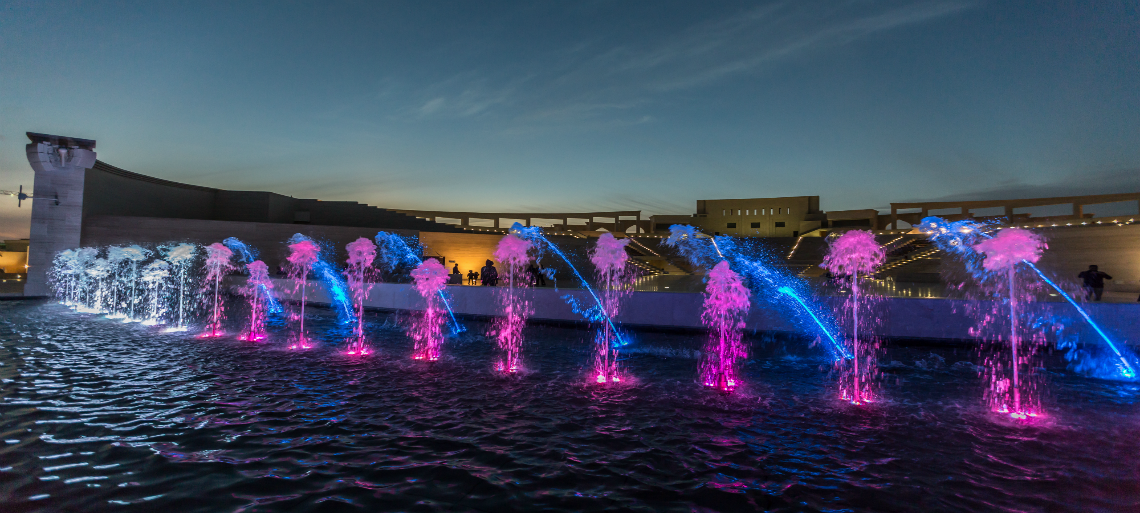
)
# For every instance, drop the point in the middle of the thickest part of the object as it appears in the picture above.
(723, 212)
(756, 225)
(738, 211)
(779, 224)
(789, 211)
(732, 225)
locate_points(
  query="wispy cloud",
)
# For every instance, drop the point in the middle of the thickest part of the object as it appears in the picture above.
(591, 79)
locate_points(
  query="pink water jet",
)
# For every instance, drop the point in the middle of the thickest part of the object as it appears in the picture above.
(609, 258)
(1003, 252)
(853, 254)
(429, 279)
(726, 304)
(258, 281)
(512, 254)
(361, 254)
(217, 265)
(302, 256)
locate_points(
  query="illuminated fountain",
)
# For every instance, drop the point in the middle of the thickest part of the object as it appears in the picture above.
(361, 253)
(770, 283)
(397, 254)
(117, 258)
(98, 274)
(217, 265)
(850, 256)
(259, 287)
(595, 313)
(248, 256)
(726, 304)
(302, 255)
(1010, 388)
(155, 276)
(1108, 361)
(79, 263)
(429, 278)
(133, 254)
(512, 253)
(326, 271)
(180, 256)
(609, 258)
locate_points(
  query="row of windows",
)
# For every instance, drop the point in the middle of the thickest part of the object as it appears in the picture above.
(753, 212)
(779, 224)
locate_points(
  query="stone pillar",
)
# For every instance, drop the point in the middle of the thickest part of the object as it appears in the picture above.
(60, 164)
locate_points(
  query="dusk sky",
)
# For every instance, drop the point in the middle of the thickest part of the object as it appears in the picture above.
(583, 105)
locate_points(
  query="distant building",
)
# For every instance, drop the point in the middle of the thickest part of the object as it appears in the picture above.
(753, 217)
(14, 257)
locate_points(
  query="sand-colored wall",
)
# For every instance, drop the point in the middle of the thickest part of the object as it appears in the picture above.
(1115, 249)
(469, 250)
(14, 257)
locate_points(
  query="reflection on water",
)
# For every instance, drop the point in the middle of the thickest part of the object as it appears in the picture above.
(95, 414)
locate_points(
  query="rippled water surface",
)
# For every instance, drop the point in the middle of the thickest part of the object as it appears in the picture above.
(100, 415)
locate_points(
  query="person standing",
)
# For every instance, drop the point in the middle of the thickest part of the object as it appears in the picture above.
(490, 274)
(1094, 282)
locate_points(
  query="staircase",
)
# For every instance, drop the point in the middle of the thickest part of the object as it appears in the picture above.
(915, 260)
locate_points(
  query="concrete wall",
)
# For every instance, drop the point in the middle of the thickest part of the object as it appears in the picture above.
(1115, 249)
(112, 191)
(268, 238)
(934, 319)
(57, 207)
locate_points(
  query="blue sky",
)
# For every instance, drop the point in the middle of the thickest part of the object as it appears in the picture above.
(588, 105)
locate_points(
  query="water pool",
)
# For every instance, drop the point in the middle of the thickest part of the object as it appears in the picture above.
(100, 415)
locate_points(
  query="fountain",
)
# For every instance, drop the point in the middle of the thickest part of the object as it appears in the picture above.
(512, 253)
(595, 313)
(361, 253)
(609, 257)
(1011, 393)
(134, 254)
(155, 275)
(396, 254)
(957, 238)
(330, 277)
(429, 279)
(180, 257)
(850, 255)
(217, 265)
(259, 288)
(248, 256)
(302, 255)
(769, 282)
(99, 272)
(116, 257)
(726, 303)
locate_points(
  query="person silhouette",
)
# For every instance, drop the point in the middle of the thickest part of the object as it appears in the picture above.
(490, 274)
(1094, 282)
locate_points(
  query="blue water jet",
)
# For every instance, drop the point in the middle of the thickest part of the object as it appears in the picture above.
(248, 255)
(958, 238)
(395, 252)
(333, 281)
(783, 288)
(597, 312)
